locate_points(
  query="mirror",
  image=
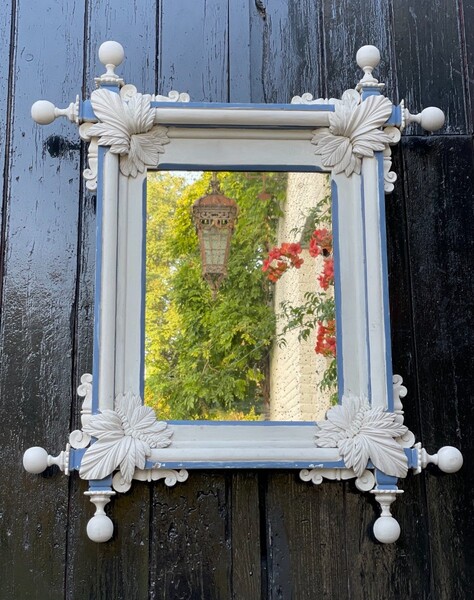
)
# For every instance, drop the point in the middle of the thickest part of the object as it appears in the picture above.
(265, 302)
(260, 344)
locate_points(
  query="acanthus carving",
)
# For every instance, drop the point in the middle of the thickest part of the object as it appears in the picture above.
(126, 126)
(354, 132)
(362, 433)
(125, 437)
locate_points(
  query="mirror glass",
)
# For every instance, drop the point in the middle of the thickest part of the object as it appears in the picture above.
(240, 313)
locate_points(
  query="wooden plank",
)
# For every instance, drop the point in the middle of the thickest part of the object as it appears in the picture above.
(122, 564)
(304, 525)
(193, 49)
(286, 44)
(190, 550)
(239, 50)
(108, 570)
(246, 542)
(440, 215)
(348, 25)
(377, 570)
(401, 309)
(38, 294)
(6, 97)
(134, 25)
(428, 60)
(466, 31)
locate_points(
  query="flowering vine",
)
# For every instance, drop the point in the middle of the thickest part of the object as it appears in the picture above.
(318, 310)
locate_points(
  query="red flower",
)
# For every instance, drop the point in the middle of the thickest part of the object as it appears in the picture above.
(326, 338)
(320, 240)
(327, 276)
(287, 255)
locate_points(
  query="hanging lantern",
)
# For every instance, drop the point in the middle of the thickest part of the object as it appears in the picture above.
(214, 217)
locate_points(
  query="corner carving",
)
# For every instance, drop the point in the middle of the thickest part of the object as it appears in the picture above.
(356, 130)
(127, 128)
(125, 437)
(362, 433)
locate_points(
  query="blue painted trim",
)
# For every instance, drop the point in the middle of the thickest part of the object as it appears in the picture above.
(110, 87)
(337, 290)
(143, 292)
(366, 287)
(246, 465)
(98, 277)
(395, 117)
(412, 457)
(385, 293)
(245, 106)
(385, 482)
(369, 91)
(100, 485)
(85, 111)
(242, 168)
(75, 458)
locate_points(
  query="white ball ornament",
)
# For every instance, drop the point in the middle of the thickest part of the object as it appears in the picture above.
(432, 118)
(35, 460)
(368, 56)
(43, 112)
(386, 530)
(450, 459)
(100, 528)
(111, 53)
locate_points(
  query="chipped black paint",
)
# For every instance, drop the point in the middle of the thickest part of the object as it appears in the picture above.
(58, 146)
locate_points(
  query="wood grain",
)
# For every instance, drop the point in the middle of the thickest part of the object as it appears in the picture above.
(41, 208)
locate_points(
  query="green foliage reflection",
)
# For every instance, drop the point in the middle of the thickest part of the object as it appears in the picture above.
(208, 358)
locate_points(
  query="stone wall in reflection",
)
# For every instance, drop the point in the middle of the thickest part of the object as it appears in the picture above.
(295, 368)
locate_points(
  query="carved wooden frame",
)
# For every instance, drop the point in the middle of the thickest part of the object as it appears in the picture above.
(363, 437)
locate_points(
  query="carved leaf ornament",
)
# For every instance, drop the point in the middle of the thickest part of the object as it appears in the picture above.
(354, 132)
(125, 437)
(127, 127)
(362, 433)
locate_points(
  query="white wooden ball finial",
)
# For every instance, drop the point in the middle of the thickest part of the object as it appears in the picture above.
(432, 118)
(450, 460)
(368, 57)
(43, 112)
(386, 530)
(100, 528)
(111, 53)
(35, 460)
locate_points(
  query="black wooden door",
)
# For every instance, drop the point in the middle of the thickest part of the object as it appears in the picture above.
(241, 535)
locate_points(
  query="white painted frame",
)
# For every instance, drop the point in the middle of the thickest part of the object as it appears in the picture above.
(129, 133)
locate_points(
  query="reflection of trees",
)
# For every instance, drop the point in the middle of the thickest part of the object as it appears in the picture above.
(208, 358)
